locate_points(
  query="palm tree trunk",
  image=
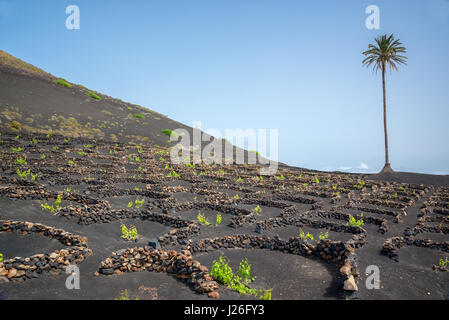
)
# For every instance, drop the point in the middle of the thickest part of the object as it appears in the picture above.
(387, 167)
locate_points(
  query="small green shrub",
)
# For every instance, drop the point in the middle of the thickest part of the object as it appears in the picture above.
(442, 263)
(139, 203)
(93, 95)
(170, 133)
(63, 82)
(257, 210)
(1, 257)
(202, 219)
(129, 233)
(172, 174)
(125, 296)
(324, 236)
(360, 185)
(57, 206)
(46, 206)
(222, 272)
(306, 236)
(24, 174)
(21, 161)
(245, 271)
(139, 116)
(218, 219)
(355, 223)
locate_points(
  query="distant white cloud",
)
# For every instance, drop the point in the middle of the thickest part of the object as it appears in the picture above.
(442, 173)
(361, 168)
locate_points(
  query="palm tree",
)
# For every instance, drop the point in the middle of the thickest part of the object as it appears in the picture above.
(385, 52)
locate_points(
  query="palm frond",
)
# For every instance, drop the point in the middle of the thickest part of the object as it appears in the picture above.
(385, 52)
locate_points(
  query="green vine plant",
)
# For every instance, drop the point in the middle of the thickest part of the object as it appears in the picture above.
(257, 210)
(125, 296)
(321, 236)
(21, 161)
(353, 222)
(139, 203)
(53, 208)
(129, 233)
(24, 174)
(222, 272)
(304, 235)
(443, 263)
(172, 174)
(324, 236)
(218, 220)
(360, 185)
(202, 219)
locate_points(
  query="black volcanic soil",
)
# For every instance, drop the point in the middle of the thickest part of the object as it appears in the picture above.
(17, 245)
(86, 160)
(116, 181)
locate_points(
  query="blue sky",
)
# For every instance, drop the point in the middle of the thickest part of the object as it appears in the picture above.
(288, 65)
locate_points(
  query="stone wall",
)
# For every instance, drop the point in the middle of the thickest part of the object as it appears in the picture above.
(20, 269)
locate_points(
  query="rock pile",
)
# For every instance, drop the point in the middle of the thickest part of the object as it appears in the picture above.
(340, 253)
(179, 264)
(20, 269)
